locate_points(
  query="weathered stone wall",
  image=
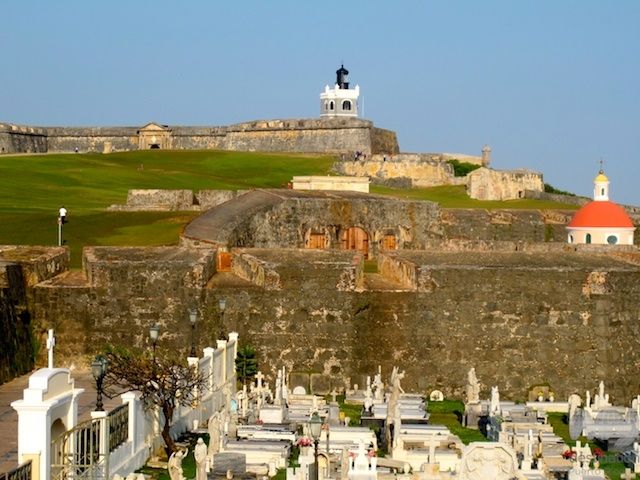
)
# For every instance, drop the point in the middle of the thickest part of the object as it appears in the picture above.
(487, 184)
(384, 141)
(333, 135)
(506, 225)
(166, 200)
(419, 170)
(22, 139)
(21, 268)
(283, 219)
(521, 317)
(67, 139)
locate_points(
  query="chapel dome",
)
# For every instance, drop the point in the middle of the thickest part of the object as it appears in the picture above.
(601, 213)
(601, 177)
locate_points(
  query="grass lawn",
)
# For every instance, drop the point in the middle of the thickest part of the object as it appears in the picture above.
(455, 196)
(609, 463)
(33, 187)
(449, 413)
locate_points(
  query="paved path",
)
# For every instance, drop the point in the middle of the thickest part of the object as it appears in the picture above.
(12, 391)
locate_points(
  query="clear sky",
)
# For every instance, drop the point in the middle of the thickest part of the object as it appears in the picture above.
(550, 85)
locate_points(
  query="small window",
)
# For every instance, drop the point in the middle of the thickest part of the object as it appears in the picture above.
(331, 105)
(602, 191)
(570, 238)
(587, 239)
(612, 239)
(346, 105)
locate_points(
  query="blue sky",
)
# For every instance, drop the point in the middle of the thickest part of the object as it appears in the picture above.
(550, 85)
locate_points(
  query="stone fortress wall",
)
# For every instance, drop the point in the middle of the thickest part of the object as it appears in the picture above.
(521, 313)
(329, 135)
(379, 158)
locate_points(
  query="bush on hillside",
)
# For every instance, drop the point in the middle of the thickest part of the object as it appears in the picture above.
(551, 189)
(462, 169)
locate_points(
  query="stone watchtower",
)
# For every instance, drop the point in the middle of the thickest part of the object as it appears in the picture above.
(340, 101)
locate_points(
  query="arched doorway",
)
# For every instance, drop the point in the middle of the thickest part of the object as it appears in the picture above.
(355, 238)
(57, 429)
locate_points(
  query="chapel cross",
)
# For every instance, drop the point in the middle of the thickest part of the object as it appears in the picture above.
(51, 342)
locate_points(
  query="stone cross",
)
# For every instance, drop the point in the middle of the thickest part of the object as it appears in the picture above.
(334, 394)
(627, 475)
(433, 443)
(51, 342)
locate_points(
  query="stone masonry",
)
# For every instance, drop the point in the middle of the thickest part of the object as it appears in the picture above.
(489, 289)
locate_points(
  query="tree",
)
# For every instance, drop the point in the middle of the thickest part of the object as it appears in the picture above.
(163, 383)
(246, 364)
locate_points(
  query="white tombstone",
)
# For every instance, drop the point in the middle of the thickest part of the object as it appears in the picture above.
(49, 407)
(363, 467)
(488, 460)
(436, 396)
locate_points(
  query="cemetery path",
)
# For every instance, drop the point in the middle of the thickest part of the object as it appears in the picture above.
(12, 391)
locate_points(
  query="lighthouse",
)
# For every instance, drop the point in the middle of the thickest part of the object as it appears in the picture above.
(340, 101)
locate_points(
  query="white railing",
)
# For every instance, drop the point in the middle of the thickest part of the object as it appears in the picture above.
(126, 437)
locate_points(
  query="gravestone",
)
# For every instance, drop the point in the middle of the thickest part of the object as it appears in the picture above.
(488, 460)
(228, 461)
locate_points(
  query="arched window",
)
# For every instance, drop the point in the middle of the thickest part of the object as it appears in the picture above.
(331, 105)
(602, 191)
(346, 105)
(587, 239)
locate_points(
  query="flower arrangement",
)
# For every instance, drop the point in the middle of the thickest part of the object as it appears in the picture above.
(259, 422)
(598, 452)
(568, 455)
(304, 442)
(371, 453)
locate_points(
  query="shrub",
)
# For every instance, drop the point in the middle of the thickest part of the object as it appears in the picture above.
(551, 189)
(462, 169)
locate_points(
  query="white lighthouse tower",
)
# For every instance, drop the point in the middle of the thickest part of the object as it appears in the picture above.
(340, 101)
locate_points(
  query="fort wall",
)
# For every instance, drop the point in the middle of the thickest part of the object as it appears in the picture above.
(402, 169)
(330, 135)
(521, 318)
(22, 139)
(488, 184)
(21, 268)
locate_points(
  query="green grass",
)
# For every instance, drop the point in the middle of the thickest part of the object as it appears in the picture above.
(32, 188)
(449, 413)
(611, 466)
(455, 196)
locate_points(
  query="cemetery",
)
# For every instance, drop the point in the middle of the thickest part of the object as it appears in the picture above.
(226, 428)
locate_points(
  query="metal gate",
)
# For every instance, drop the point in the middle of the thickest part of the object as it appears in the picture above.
(76, 454)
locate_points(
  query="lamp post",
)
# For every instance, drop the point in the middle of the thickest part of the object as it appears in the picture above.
(193, 317)
(315, 428)
(154, 330)
(222, 305)
(99, 370)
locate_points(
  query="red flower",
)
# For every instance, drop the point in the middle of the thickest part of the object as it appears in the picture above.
(304, 442)
(568, 454)
(598, 452)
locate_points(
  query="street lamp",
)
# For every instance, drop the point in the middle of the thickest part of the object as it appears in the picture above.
(193, 317)
(315, 428)
(99, 370)
(154, 330)
(222, 305)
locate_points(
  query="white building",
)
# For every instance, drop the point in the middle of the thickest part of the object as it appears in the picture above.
(340, 101)
(601, 221)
